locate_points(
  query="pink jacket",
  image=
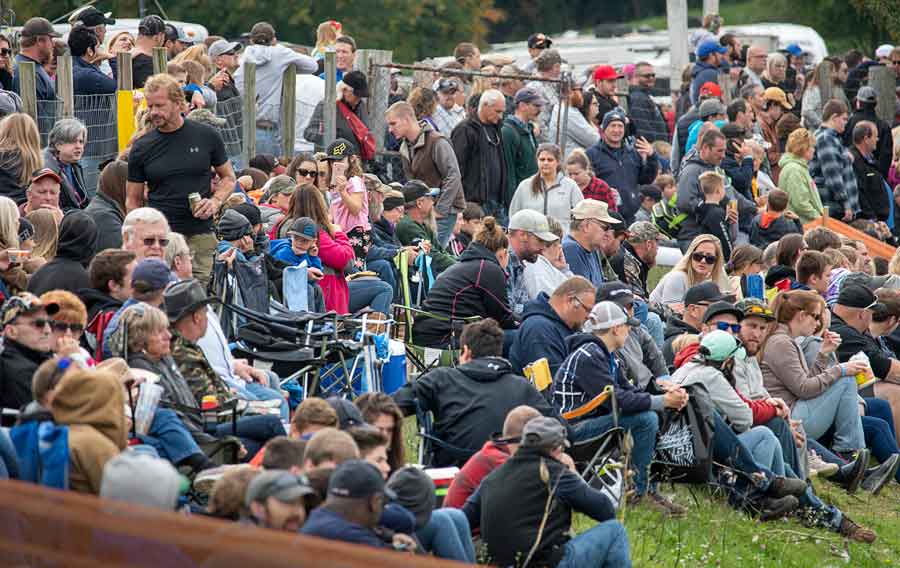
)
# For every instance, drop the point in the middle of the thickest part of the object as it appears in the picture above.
(335, 253)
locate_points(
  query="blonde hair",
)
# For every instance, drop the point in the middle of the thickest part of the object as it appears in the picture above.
(326, 35)
(800, 141)
(19, 138)
(168, 84)
(196, 54)
(717, 274)
(141, 320)
(46, 234)
(9, 223)
(683, 341)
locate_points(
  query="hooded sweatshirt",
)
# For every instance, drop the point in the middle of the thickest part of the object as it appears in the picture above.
(68, 270)
(674, 328)
(542, 334)
(803, 194)
(768, 228)
(469, 403)
(141, 479)
(92, 404)
(271, 61)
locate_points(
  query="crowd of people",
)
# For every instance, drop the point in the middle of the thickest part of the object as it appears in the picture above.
(512, 250)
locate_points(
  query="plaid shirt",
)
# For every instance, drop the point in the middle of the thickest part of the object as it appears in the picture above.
(515, 284)
(599, 190)
(832, 170)
(446, 120)
(648, 120)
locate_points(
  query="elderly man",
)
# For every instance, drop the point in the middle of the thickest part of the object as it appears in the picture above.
(145, 232)
(591, 231)
(648, 120)
(224, 55)
(415, 227)
(529, 235)
(478, 144)
(42, 193)
(756, 64)
(549, 66)
(27, 340)
(448, 114)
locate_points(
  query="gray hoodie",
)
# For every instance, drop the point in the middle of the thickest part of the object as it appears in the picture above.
(139, 478)
(726, 399)
(271, 61)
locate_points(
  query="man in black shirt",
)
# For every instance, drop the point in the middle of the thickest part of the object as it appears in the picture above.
(151, 33)
(175, 160)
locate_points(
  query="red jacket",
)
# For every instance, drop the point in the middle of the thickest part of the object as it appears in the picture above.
(335, 253)
(489, 457)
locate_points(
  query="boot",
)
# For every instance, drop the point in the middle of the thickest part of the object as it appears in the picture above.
(878, 477)
(851, 474)
(773, 508)
(785, 486)
(855, 532)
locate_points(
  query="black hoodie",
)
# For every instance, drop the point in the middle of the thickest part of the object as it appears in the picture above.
(469, 403)
(68, 270)
(674, 328)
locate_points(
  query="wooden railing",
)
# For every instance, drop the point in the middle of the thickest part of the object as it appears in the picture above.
(876, 247)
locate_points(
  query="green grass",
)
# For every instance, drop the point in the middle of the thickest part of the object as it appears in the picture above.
(738, 13)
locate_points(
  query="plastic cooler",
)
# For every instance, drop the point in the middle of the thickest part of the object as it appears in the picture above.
(393, 373)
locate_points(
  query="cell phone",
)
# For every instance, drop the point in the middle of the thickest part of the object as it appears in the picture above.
(337, 170)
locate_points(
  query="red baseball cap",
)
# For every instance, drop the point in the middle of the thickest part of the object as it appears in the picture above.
(710, 89)
(605, 73)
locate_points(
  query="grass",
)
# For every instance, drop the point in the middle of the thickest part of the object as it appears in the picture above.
(737, 13)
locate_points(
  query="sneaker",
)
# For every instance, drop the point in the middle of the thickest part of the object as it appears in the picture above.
(819, 467)
(776, 508)
(878, 477)
(659, 503)
(852, 474)
(855, 532)
(784, 486)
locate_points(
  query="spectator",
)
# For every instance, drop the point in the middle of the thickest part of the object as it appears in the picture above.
(43, 194)
(351, 116)
(68, 269)
(706, 69)
(548, 321)
(141, 479)
(475, 286)
(772, 224)
(271, 60)
(36, 46)
(866, 100)
(27, 342)
(640, 354)
(478, 142)
(604, 78)
(285, 453)
(548, 66)
(226, 498)
(581, 129)
(158, 160)
(876, 199)
(708, 158)
(176, 41)
(548, 191)
(711, 111)
(472, 217)
(20, 155)
(712, 216)
(145, 233)
(684, 123)
(549, 269)
(107, 208)
(579, 169)
(151, 33)
(702, 262)
(775, 74)
(380, 410)
(427, 155)
(591, 231)
(756, 65)
(372, 446)
(345, 56)
(275, 500)
(6, 66)
(65, 148)
(326, 34)
(812, 95)
(803, 195)
(774, 104)
(68, 325)
(88, 79)
(621, 164)
(311, 416)
(417, 226)
(120, 42)
(424, 103)
(637, 256)
(448, 114)
(519, 141)
(110, 272)
(831, 167)
(276, 200)
(646, 117)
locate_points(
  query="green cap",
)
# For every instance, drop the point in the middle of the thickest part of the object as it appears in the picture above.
(720, 345)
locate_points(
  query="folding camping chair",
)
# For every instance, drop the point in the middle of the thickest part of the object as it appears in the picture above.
(428, 442)
(425, 358)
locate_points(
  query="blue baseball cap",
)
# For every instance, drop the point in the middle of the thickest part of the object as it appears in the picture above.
(710, 46)
(794, 49)
(151, 274)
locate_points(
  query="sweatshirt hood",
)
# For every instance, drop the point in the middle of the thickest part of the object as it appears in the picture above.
(92, 398)
(686, 354)
(701, 66)
(788, 158)
(95, 300)
(486, 369)
(477, 251)
(77, 237)
(575, 341)
(675, 327)
(540, 307)
(258, 54)
(779, 272)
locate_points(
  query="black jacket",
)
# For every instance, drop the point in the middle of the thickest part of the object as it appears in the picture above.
(674, 328)
(474, 286)
(761, 236)
(70, 196)
(884, 152)
(874, 202)
(469, 403)
(712, 219)
(109, 218)
(17, 366)
(68, 270)
(852, 342)
(474, 149)
(96, 301)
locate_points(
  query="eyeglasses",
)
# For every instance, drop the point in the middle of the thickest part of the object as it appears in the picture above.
(707, 258)
(6, 52)
(724, 326)
(307, 173)
(580, 303)
(150, 241)
(63, 327)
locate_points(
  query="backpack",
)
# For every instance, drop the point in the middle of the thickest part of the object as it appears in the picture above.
(667, 218)
(360, 131)
(43, 451)
(94, 332)
(684, 444)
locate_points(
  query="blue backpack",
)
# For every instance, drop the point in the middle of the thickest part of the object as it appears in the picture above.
(43, 451)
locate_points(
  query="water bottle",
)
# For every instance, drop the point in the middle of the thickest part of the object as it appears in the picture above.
(148, 401)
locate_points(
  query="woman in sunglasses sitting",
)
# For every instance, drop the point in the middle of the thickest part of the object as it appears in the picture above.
(702, 262)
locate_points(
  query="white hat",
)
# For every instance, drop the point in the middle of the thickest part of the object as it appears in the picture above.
(533, 222)
(607, 315)
(884, 50)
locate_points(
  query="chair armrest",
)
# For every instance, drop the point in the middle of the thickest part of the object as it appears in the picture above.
(590, 406)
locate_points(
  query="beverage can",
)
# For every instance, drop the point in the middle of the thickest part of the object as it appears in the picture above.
(194, 199)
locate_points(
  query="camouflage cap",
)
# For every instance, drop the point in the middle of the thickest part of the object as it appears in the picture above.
(24, 303)
(643, 231)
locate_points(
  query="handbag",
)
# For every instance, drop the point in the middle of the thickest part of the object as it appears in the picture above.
(360, 131)
(684, 444)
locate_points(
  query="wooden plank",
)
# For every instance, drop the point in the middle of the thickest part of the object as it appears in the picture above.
(825, 80)
(876, 247)
(249, 113)
(330, 109)
(160, 60)
(622, 93)
(65, 88)
(123, 66)
(288, 111)
(883, 80)
(28, 88)
(379, 91)
(725, 83)
(676, 18)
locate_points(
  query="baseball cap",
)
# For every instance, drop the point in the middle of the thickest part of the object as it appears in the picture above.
(447, 85)
(531, 221)
(593, 209)
(415, 189)
(710, 89)
(615, 115)
(278, 483)
(339, 149)
(607, 315)
(38, 27)
(91, 17)
(606, 73)
(774, 94)
(206, 116)
(374, 183)
(10, 102)
(232, 226)
(706, 292)
(642, 232)
(223, 46)
(539, 41)
(415, 492)
(754, 307)
(719, 308)
(151, 25)
(280, 185)
(23, 304)
(262, 33)
(617, 292)
(305, 228)
(347, 412)
(711, 107)
(176, 33)
(867, 95)
(529, 95)
(152, 274)
(884, 50)
(794, 49)
(393, 200)
(854, 295)
(358, 479)
(45, 172)
(185, 297)
(544, 433)
(719, 345)
(709, 47)
(357, 81)
(650, 190)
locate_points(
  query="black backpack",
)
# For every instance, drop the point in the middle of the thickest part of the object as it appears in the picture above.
(684, 444)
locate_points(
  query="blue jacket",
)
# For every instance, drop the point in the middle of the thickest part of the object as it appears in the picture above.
(44, 85)
(702, 73)
(87, 79)
(281, 249)
(542, 334)
(624, 169)
(582, 262)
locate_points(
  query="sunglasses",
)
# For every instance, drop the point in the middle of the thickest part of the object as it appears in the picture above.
(150, 241)
(40, 323)
(707, 258)
(723, 326)
(648, 75)
(63, 327)
(5, 52)
(308, 173)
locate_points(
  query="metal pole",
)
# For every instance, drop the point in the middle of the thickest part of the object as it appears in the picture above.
(330, 108)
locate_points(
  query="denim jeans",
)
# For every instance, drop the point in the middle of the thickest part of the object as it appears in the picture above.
(254, 431)
(765, 448)
(445, 229)
(604, 545)
(793, 457)
(651, 322)
(170, 437)
(448, 535)
(837, 406)
(729, 450)
(372, 293)
(268, 141)
(643, 427)
(9, 461)
(385, 271)
(878, 424)
(496, 210)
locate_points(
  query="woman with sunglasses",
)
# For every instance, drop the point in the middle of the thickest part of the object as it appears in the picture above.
(6, 77)
(823, 396)
(703, 262)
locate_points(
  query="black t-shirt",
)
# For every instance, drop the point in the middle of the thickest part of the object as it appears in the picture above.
(174, 165)
(141, 70)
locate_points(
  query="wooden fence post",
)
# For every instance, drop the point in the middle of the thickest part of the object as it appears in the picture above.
(379, 92)
(249, 112)
(330, 108)
(676, 17)
(160, 60)
(28, 88)
(288, 111)
(883, 80)
(65, 88)
(621, 92)
(124, 100)
(725, 84)
(824, 78)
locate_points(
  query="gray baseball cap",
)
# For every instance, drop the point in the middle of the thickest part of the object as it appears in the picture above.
(532, 222)
(544, 433)
(710, 107)
(223, 46)
(278, 483)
